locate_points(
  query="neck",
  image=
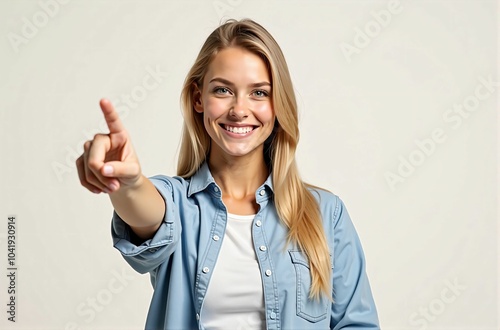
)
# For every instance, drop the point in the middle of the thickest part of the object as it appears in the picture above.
(238, 177)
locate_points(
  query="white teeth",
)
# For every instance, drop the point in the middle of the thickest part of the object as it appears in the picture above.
(238, 130)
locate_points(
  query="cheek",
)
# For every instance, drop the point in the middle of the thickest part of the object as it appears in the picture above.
(212, 111)
(215, 107)
(264, 111)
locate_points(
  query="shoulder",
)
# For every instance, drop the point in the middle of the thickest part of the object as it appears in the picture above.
(325, 198)
(198, 182)
(330, 204)
(169, 180)
(171, 184)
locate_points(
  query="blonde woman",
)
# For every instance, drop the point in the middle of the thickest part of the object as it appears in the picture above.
(236, 240)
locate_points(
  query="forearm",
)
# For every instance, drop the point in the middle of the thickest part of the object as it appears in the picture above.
(141, 207)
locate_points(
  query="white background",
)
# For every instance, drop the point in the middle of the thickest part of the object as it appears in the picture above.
(431, 239)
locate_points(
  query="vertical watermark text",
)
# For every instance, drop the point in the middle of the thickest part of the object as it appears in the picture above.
(12, 268)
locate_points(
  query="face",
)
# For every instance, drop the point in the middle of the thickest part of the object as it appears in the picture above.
(236, 103)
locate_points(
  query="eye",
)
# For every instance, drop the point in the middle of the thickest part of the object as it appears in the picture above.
(221, 90)
(261, 93)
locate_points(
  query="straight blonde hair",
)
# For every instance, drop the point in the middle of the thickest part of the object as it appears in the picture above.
(295, 205)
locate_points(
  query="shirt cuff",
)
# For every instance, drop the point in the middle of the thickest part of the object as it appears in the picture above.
(152, 252)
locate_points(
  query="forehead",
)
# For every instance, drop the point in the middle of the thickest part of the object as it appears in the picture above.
(238, 65)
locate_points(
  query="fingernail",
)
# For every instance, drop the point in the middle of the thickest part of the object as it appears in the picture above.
(96, 191)
(108, 169)
(106, 190)
(112, 186)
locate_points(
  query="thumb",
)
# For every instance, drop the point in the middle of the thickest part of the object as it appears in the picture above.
(117, 169)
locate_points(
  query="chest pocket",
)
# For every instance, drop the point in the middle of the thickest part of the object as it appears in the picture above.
(309, 309)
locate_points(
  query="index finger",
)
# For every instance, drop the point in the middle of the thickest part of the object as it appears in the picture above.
(111, 116)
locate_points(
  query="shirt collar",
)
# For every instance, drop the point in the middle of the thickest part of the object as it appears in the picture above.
(203, 178)
(200, 180)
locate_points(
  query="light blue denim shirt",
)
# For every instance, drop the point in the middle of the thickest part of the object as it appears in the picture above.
(183, 252)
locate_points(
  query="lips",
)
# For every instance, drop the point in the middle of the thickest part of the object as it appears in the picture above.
(238, 129)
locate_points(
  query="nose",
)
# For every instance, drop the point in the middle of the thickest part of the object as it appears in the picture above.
(239, 109)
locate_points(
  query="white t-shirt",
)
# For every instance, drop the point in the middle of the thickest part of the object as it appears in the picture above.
(234, 298)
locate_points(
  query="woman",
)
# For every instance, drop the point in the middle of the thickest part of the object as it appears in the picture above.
(237, 240)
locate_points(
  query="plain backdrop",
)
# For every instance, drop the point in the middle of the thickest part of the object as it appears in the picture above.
(398, 116)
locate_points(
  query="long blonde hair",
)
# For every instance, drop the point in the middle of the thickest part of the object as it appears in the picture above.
(295, 204)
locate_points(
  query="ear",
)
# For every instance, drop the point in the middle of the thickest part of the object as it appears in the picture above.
(197, 101)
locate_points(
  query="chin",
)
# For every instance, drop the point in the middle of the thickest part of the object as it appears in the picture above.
(234, 152)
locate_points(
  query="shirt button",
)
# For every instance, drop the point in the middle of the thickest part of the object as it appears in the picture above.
(268, 272)
(215, 238)
(262, 192)
(258, 223)
(262, 248)
(216, 189)
(197, 316)
(205, 270)
(153, 250)
(273, 315)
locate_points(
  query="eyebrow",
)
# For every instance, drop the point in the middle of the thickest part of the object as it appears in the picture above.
(227, 82)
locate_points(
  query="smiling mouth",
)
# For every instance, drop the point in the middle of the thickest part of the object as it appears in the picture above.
(238, 129)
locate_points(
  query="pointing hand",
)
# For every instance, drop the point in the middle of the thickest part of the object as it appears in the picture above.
(109, 162)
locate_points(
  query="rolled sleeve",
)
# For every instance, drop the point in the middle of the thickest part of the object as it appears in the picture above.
(353, 306)
(147, 256)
